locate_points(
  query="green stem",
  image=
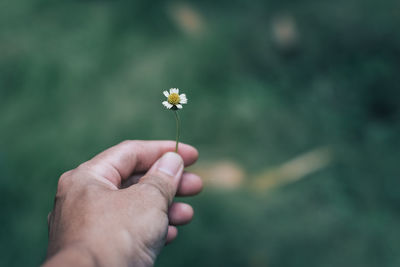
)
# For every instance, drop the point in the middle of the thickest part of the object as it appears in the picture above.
(178, 127)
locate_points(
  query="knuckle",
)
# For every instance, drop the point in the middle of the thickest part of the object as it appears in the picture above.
(133, 144)
(130, 143)
(125, 143)
(64, 182)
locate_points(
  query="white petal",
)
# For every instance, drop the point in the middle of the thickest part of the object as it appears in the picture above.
(183, 101)
(174, 91)
(179, 106)
(167, 105)
(166, 93)
(182, 96)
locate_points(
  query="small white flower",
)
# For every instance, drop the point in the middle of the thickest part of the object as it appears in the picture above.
(174, 99)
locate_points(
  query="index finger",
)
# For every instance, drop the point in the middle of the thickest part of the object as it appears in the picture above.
(120, 161)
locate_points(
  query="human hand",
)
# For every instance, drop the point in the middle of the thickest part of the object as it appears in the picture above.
(106, 213)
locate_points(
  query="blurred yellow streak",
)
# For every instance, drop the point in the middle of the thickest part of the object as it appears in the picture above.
(230, 175)
(293, 170)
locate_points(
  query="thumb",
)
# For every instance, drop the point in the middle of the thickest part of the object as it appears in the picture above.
(164, 176)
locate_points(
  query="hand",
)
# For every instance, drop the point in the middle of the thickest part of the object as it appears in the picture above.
(107, 214)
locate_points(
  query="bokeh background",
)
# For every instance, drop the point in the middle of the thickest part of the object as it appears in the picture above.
(293, 105)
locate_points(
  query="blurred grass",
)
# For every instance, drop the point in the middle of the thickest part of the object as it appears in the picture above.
(266, 81)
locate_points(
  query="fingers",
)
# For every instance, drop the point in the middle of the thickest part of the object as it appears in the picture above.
(118, 162)
(162, 180)
(190, 185)
(180, 213)
(172, 234)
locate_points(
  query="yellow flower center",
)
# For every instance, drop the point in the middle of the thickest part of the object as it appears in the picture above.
(174, 99)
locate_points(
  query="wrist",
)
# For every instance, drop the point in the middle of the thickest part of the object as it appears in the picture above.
(72, 255)
(99, 254)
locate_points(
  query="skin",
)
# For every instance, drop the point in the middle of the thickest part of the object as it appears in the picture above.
(117, 209)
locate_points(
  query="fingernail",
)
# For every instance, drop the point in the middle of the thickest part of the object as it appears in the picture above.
(171, 163)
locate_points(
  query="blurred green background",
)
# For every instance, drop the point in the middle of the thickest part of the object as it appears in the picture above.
(267, 82)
